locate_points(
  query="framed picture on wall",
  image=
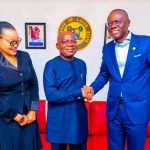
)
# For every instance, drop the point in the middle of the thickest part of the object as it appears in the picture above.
(107, 37)
(35, 35)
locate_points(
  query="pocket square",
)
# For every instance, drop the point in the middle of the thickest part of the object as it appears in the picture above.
(137, 55)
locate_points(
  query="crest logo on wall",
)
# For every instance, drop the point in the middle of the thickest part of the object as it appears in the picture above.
(80, 28)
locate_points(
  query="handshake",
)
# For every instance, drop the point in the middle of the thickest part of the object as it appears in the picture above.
(87, 92)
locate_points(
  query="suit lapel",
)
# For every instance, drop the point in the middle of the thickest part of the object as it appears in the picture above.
(131, 52)
(4, 62)
(114, 60)
(20, 60)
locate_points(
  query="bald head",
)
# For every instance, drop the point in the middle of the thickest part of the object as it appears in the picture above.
(62, 34)
(119, 11)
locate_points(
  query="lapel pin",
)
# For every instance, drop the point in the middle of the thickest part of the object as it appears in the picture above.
(134, 48)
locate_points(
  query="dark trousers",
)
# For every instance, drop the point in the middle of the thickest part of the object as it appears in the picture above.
(122, 130)
(60, 146)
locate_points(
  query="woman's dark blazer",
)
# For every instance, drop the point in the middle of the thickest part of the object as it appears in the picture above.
(18, 87)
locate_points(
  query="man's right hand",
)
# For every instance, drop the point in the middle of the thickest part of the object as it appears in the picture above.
(87, 92)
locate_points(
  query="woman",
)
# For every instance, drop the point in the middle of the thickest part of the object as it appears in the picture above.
(18, 94)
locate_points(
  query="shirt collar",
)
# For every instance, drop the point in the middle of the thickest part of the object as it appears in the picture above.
(125, 42)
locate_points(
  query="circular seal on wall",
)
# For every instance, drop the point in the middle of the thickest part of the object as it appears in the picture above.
(80, 28)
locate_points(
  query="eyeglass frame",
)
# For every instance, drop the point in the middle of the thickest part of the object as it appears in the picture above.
(66, 42)
(11, 42)
(116, 22)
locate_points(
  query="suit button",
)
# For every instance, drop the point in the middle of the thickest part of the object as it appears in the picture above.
(22, 83)
(121, 100)
(21, 74)
(22, 93)
(79, 97)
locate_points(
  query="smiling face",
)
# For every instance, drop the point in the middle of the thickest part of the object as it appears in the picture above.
(8, 36)
(118, 24)
(66, 44)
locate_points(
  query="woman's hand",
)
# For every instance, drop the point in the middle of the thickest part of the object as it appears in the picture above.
(31, 115)
(21, 119)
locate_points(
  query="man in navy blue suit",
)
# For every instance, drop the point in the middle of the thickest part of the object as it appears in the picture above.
(126, 65)
(64, 77)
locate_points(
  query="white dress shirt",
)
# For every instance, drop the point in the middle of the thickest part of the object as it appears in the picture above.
(121, 51)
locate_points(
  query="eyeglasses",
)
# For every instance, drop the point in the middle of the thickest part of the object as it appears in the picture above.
(13, 42)
(69, 41)
(115, 22)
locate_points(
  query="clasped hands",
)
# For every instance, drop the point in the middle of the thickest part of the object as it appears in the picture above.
(25, 119)
(87, 92)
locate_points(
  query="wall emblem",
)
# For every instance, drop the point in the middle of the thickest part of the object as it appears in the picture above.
(80, 28)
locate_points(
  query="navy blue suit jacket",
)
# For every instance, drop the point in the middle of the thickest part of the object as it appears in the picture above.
(67, 115)
(18, 87)
(135, 82)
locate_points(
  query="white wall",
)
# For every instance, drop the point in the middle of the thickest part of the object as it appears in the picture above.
(53, 12)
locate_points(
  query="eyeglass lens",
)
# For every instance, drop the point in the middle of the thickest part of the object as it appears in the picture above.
(12, 43)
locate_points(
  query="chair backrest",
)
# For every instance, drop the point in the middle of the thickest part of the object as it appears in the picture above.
(148, 129)
(98, 121)
(41, 116)
(87, 103)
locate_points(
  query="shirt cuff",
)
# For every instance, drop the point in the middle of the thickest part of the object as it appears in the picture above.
(34, 105)
(77, 94)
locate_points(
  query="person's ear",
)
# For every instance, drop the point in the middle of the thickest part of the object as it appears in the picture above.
(129, 23)
(57, 45)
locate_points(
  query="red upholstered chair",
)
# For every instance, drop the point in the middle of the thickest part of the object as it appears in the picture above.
(98, 126)
(147, 144)
(41, 118)
(97, 139)
(98, 118)
(87, 103)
